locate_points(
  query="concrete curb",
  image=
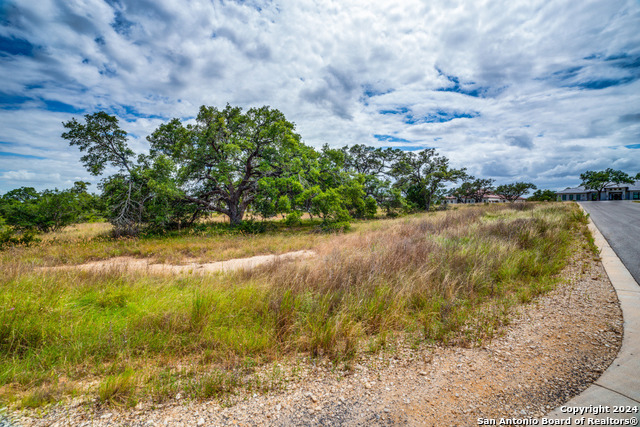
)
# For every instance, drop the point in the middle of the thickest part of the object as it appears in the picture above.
(619, 385)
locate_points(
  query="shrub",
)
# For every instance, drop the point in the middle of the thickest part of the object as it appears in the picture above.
(118, 389)
(10, 237)
(251, 227)
(294, 218)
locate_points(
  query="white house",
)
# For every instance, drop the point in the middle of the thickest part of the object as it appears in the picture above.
(610, 192)
(487, 198)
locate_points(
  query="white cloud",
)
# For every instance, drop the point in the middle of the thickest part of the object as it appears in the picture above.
(557, 81)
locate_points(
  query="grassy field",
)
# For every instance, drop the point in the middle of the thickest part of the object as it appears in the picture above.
(449, 277)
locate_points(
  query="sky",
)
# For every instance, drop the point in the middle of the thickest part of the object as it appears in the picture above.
(536, 90)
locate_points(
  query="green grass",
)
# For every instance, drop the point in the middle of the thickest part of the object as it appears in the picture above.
(450, 278)
(118, 389)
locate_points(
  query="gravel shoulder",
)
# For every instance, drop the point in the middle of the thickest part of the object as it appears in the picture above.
(553, 349)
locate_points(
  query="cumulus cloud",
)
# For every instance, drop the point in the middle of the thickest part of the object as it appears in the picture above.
(526, 90)
(519, 139)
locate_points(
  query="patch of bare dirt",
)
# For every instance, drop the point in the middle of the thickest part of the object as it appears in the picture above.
(147, 265)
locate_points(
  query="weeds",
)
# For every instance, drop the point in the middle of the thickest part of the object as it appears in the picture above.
(39, 397)
(118, 389)
(450, 278)
(213, 385)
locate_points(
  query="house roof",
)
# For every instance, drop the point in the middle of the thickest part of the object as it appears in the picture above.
(486, 196)
(572, 190)
(580, 189)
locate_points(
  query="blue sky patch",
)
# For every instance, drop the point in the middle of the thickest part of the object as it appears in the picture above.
(624, 60)
(16, 102)
(469, 89)
(13, 46)
(24, 156)
(108, 70)
(130, 113)
(61, 107)
(633, 146)
(446, 116)
(389, 138)
(408, 147)
(369, 91)
(12, 102)
(567, 73)
(603, 84)
(400, 110)
(121, 24)
(439, 116)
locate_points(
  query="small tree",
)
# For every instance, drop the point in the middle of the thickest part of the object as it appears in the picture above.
(142, 191)
(392, 201)
(329, 205)
(105, 144)
(512, 192)
(543, 196)
(473, 188)
(598, 180)
(423, 174)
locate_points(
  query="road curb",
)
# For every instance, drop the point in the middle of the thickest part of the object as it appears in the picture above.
(619, 385)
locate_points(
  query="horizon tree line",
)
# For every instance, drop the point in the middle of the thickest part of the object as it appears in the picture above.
(233, 162)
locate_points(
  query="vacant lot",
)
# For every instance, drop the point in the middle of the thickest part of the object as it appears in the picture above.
(123, 335)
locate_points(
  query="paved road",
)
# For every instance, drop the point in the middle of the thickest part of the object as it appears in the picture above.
(619, 223)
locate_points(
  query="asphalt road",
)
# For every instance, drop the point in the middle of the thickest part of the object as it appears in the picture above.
(619, 223)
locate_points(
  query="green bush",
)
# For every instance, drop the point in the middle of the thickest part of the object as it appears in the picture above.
(50, 210)
(251, 227)
(10, 237)
(370, 207)
(335, 227)
(294, 218)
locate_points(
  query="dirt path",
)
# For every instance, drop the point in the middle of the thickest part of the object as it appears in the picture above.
(136, 264)
(553, 349)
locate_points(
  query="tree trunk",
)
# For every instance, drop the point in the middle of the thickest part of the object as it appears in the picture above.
(236, 213)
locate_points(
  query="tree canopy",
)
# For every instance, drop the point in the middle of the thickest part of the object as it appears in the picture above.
(140, 187)
(512, 192)
(49, 210)
(598, 180)
(543, 196)
(473, 189)
(232, 162)
(423, 174)
(221, 158)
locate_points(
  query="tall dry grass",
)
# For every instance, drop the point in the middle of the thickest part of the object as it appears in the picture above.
(450, 277)
(430, 274)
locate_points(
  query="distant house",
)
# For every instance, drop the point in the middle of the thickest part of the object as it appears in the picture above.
(610, 192)
(488, 198)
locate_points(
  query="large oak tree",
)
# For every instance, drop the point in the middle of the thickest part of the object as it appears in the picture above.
(223, 156)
